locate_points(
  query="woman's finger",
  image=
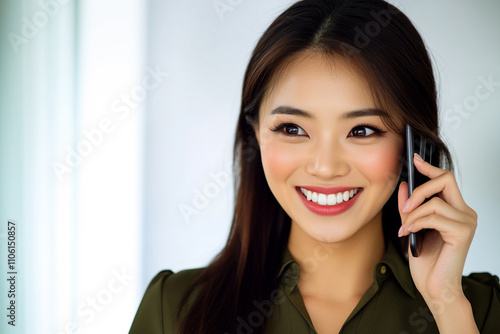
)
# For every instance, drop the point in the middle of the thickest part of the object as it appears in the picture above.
(402, 199)
(452, 231)
(434, 206)
(441, 182)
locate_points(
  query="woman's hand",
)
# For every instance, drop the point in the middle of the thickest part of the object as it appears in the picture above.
(451, 224)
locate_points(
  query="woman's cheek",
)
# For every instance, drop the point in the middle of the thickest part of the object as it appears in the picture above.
(382, 164)
(279, 160)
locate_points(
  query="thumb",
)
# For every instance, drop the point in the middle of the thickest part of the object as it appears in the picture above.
(402, 198)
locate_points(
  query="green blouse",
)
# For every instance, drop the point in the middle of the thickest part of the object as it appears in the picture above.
(392, 304)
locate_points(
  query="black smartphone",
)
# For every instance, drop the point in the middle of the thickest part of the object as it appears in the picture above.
(426, 149)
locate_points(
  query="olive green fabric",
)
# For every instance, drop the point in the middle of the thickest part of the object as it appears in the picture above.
(391, 305)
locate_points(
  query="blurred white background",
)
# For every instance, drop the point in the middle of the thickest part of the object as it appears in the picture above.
(139, 99)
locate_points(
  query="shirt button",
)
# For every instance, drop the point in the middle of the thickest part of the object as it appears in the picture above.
(383, 270)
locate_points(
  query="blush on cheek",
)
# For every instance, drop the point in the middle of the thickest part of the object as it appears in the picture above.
(278, 160)
(381, 164)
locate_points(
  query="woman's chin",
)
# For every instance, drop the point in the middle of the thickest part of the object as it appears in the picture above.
(328, 235)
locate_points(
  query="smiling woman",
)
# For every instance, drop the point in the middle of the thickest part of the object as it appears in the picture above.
(318, 242)
(338, 146)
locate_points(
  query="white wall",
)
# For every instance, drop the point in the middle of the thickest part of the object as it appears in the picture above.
(78, 228)
(191, 120)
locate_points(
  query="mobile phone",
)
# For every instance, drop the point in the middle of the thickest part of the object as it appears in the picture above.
(425, 148)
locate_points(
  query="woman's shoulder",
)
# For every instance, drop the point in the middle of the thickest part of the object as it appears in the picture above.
(170, 287)
(160, 303)
(175, 284)
(483, 292)
(481, 281)
(478, 286)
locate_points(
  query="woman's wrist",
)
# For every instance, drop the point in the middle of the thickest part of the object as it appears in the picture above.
(453, 314)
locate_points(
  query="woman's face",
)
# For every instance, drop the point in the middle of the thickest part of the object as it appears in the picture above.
(328, 158)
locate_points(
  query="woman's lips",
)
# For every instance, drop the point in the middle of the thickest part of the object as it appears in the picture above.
(328, 201)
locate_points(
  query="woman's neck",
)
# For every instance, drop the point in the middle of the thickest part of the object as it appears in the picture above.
(338, 271)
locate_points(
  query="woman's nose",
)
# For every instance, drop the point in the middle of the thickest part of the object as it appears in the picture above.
(327, 161)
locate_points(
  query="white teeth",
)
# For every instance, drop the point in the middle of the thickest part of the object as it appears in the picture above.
(331, 199)
(322, 199)
(340, 198)
(346, 195)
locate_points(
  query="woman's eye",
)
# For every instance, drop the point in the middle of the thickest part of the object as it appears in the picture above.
(364, 131)
(290, 130)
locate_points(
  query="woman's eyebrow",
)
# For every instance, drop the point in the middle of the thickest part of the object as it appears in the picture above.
(363, 113)
(287, 110)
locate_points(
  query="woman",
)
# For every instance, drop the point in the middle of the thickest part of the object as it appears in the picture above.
(318, 240)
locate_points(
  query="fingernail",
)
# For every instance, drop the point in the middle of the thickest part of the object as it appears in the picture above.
(418, 157)
(410, 228)
(400, 232)
(407, 206)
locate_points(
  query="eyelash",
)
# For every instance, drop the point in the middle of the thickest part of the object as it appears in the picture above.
(376, 130)
(282, 126)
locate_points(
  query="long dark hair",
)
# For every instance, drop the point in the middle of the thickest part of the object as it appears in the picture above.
(381, 42)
